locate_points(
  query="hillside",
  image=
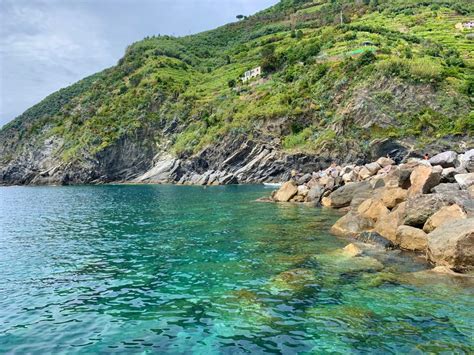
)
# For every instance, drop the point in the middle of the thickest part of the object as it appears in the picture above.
(342, 81)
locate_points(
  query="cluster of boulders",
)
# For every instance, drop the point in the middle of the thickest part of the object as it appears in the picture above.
(420, 205)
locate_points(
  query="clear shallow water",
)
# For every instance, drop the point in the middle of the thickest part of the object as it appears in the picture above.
(146, 269)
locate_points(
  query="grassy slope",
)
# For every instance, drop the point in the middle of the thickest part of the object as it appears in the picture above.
(164, 79)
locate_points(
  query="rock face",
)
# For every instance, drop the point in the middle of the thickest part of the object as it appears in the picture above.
(286, 192)
(351, 225)
(452, 245)
(411, 238)
(446, 214)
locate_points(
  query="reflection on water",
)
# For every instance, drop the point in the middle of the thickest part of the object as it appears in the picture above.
(183, 269)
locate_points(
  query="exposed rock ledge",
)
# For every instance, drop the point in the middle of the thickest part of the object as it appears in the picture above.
(425, 206)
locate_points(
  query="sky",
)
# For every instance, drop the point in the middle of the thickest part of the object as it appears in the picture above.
(46, 45)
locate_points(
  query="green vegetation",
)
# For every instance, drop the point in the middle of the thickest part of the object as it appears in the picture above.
(317, 75)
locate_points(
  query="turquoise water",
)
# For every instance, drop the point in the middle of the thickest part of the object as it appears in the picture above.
(166, 269)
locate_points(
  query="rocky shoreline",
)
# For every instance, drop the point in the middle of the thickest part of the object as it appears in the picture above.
(420, 205)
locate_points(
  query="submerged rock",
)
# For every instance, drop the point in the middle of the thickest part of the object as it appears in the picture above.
(374, 239)
(351, 225)
(293, 280)
(352, 250)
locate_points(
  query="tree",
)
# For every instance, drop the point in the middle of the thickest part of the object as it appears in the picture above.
(240, 17)
(299, 34)
(231, 83)
(269, 59)
(227, 59)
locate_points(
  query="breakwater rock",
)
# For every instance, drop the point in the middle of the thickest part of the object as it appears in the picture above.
(421, 205)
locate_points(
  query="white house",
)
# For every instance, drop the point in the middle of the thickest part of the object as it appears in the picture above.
(253, 73)
(468, 25)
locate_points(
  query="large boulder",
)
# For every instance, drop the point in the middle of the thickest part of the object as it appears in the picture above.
(387, 225)
(423, 179)
(391, 197)
(452, 245)
(465, 180)
(351, 225)
(411, 238)
(286, 192)
(445, 159)
(343, 196)
(372, 209)
(446, 214)
(420, 208)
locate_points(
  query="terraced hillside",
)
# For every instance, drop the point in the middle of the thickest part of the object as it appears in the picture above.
(342, 81)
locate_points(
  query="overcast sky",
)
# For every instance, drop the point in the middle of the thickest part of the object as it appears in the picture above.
(49, 44)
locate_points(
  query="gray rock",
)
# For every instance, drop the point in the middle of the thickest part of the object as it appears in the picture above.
(343, 196)
(421, 207)
(465, 162)
(375, 239)
(445, 159)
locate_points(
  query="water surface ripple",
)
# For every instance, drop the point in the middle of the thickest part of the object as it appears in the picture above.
(167, 269)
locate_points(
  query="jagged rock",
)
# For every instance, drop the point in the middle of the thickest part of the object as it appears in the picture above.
(423, 179)
(372, 209)
(384, 162)
(391, 197)
(452, 245)
(445, 159)
(446, 214)
(446, 188)
(420, 208)
(343, 196)
(375, 239)
(351, 224)
(286, 192)
(411, 238)
(387, 225)
(465, 180)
